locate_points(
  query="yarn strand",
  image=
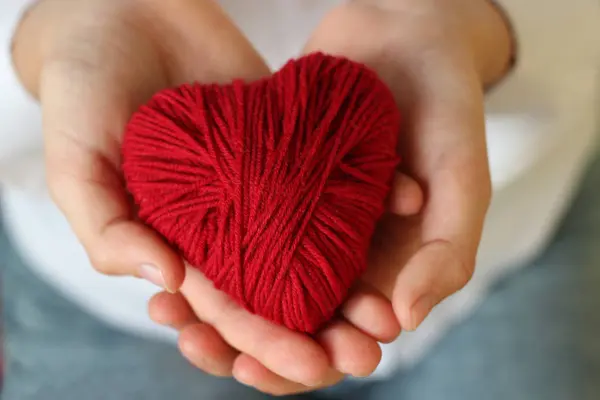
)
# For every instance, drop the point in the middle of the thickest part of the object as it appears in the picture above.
(271, 188)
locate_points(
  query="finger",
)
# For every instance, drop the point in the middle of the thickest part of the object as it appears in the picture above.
(449, 136)
(251, 372)
(204, 348)
(372, 313)
(350, 351)
(406, 196)
(171, 310)
(433, 274)
(290, 354)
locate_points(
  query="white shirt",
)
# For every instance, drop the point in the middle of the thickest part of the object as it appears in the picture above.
(540, 133)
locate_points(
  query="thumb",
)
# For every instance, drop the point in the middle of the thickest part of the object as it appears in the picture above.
(449, 142)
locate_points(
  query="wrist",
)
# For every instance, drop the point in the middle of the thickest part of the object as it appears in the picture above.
(490, 37)
(48, 33)
(480, 26)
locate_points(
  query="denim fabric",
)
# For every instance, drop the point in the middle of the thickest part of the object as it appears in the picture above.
(537, 336)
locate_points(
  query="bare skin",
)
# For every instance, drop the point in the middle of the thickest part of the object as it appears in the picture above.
(93, 66)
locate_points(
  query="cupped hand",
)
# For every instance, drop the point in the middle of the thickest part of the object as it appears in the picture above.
(437, 57)
(92, 63)
(92, 67)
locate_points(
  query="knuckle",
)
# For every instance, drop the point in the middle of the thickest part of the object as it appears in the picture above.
(100, 260)
(488, 196)
(486, 191)
(208, 365)
(464, 273)
(71, 62)
(55, 186)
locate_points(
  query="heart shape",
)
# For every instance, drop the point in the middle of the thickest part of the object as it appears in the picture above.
(272, 188)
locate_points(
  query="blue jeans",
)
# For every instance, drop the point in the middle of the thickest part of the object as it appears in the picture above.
(537, 336)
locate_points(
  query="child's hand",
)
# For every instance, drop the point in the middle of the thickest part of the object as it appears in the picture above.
(92, 63)
(221, 338)
(436, 55)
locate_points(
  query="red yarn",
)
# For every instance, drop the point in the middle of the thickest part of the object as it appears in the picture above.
(273, 188)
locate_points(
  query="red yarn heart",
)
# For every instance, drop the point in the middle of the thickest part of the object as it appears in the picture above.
(273, 188)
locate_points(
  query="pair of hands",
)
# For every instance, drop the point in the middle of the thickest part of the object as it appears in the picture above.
(95, 64)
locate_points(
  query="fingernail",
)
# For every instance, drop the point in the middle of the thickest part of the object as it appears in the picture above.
(420, 310)
(153, 275)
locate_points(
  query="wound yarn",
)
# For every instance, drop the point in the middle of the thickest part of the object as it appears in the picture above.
(271, 188)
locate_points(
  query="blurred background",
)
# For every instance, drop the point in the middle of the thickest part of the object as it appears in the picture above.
(535, 334)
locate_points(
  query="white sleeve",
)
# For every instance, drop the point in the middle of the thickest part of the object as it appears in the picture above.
(21, 161)
(551, 91)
